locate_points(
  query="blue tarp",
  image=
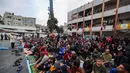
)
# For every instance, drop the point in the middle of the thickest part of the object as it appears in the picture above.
(4, 48)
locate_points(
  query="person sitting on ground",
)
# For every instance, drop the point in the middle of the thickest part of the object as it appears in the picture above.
(43, 58)
(127, 51)
(98, 67)
(67, 46)
(67, 56)
(46, 66)
(96, 54)
(72, 58)
(122, 68)
(82, 53)
(76, 67)
(62, 51)
(61, 67)
(120, 58)
(107, 57)
(88, 66)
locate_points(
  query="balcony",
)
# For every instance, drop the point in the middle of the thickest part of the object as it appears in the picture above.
(120, 27)
(123, 9)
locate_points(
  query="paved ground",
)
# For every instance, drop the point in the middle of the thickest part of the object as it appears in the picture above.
(7, 60)
(4, 43)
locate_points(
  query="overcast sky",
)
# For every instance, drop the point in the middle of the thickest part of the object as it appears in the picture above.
(39, 8)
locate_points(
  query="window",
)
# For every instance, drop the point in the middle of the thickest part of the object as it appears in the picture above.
(8, 23)
(19, 19)
(9, 17)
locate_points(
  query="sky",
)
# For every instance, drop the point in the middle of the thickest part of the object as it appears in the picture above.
(39, 8)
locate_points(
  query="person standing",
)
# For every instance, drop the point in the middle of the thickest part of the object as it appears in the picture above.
(5, 36)
(1, 36)
(12, 41)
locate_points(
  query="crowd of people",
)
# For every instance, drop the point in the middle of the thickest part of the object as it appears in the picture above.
(55, 54)
(4, 36)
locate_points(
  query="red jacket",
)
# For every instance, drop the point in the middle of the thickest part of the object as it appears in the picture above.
(26, 45)
(44, 50)
(67, 56)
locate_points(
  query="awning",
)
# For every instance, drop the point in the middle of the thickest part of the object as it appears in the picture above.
(21, 31)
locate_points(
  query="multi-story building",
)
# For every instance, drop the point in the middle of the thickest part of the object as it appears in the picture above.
(1, 20)
(11, 19)
(16, 20)
(28, 21)
(0, 17)
(77, 16)
(16, 23)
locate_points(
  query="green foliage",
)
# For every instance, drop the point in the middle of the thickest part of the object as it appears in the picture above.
(60, 30)
(52, 23)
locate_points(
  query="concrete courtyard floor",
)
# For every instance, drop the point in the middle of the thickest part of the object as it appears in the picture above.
(7, 60)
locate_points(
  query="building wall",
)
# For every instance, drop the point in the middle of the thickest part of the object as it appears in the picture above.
(17, 20)
(11, 19)
(1, 20)
(87, 6)
(8, 18)
(109, 11)
(109, 15)
(29, 21)
(43, 29)
(0, 17)
(106, 14)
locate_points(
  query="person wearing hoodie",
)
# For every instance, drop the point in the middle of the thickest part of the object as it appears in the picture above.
(122, 68)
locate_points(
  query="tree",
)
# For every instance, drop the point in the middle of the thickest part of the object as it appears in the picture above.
(52, 23)
(60, 29)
